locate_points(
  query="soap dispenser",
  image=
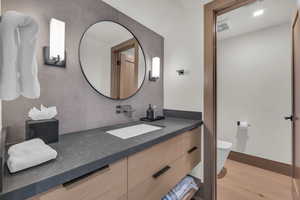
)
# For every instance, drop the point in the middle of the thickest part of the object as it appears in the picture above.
(150, 113)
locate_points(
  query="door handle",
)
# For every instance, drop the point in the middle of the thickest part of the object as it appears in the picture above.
(192, 150)
(291, 118)
(73, 181)
(161, 172)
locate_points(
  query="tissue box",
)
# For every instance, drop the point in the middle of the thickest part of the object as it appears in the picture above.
(47, 130)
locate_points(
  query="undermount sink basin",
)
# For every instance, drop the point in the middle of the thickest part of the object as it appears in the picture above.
(133, 131)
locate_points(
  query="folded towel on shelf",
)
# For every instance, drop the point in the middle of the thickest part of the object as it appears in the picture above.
(181, 189)
(29, 154)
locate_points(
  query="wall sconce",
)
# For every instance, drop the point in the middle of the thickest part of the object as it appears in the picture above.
(55, 54)
(154, 73)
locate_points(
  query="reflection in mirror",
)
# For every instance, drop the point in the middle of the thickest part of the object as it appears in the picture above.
(112, 60)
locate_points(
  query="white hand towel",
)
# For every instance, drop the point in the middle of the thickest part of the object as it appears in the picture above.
(27, 63)
(29, 154)
(17, 148)
(18, 67)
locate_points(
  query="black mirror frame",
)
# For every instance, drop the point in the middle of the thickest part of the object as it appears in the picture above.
(86, 78)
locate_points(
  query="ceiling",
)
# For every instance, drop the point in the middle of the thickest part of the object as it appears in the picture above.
(161, 16)
(108, 33)
(241, 20)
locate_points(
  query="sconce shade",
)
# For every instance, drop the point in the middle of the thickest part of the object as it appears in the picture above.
(155, 72)
(57, 39)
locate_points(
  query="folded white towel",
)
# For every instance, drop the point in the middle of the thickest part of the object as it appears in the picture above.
(19, 148)
(29, 154)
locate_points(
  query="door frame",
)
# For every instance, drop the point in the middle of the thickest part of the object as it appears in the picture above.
(295, 191)
(211, 11)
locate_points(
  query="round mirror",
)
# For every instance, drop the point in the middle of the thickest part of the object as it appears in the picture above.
(112, 60)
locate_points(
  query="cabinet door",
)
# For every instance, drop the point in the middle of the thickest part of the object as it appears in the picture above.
(192, 139)
(193, 158)
(143, 165)
(158, 185)
(192, 147)
(108, 183)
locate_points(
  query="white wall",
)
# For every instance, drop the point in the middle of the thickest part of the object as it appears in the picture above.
(96, 62)
(184, 50)
(254, 84)
(181, 24)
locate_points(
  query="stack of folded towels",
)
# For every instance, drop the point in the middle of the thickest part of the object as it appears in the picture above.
(182, 189)
(29, 154)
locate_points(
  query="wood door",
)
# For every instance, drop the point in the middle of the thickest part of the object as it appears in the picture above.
(296, 107)
(211, 11)
(124, 85)
(128, 83)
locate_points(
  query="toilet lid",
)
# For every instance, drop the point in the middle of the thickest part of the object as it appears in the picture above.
(224, 144)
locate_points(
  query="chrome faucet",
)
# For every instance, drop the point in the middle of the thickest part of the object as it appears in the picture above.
(126, 109)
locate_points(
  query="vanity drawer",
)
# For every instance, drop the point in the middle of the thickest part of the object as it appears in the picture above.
(108, 183)
(154, 188)
(192, 140)
(193, 158)
(142, 165)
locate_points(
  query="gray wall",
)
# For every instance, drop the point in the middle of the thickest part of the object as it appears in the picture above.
(79, 106)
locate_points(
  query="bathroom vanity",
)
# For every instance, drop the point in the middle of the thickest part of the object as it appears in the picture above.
(120, 59)
(96, 165)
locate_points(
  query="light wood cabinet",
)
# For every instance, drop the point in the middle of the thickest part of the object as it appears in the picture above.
(192, 147)
(171, 160)
(155, 188)
(143, 165)
(192, 159)
(192, 139)
(108, 183)
(147, 175)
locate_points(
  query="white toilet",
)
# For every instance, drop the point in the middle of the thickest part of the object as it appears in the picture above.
(223, 151)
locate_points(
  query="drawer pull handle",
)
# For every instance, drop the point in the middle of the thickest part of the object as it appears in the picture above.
(75, 180)
(161, 172)
(192, 150)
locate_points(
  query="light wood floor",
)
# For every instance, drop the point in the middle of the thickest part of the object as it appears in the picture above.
(244, 182)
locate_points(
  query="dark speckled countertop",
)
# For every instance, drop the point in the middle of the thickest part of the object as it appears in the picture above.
(86, 151)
